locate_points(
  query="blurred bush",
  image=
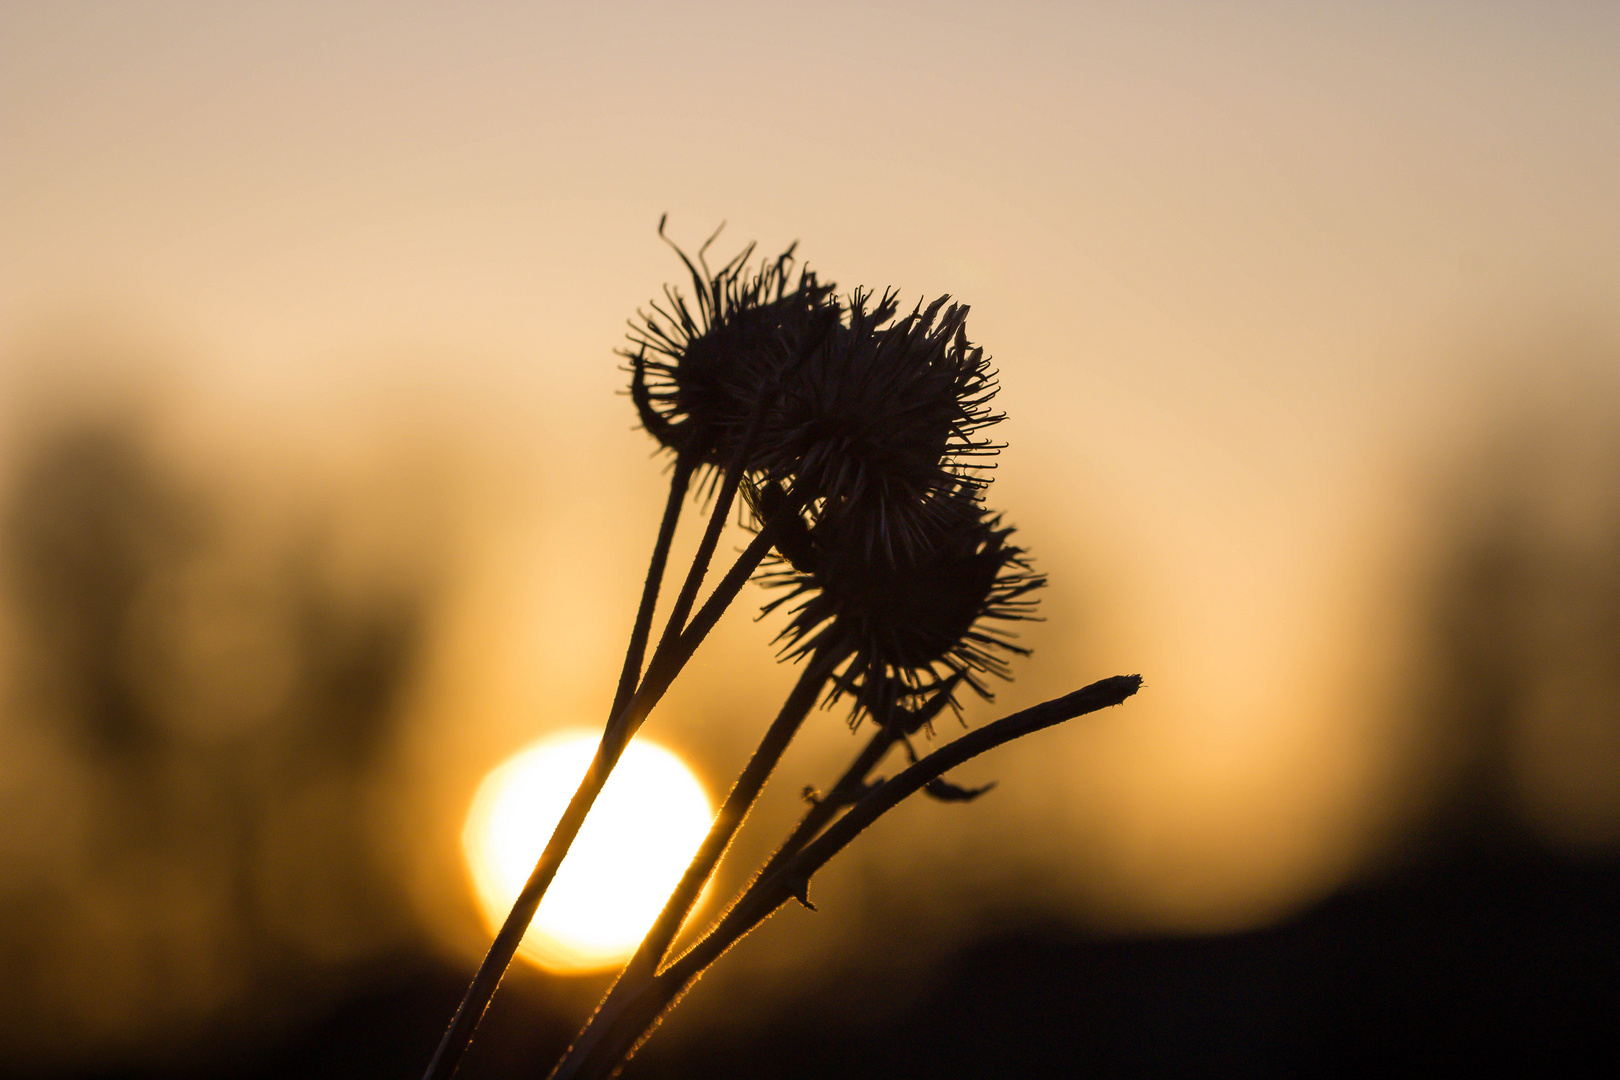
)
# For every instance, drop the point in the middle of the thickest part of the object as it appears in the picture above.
(192, 737)
(1517, 704)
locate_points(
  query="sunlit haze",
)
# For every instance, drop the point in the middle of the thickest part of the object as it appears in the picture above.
(644, 828)
(1307, 323)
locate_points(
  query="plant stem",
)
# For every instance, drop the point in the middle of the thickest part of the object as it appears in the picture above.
(744, 793)
(631, 705)
(675, 648)
(459, 1036)
(675, 628)
(635, 652)
(841, 795)
(700, 562)
(672, 655)
(642, 1007)
(852, 784)
(616, 735)
(815, 855)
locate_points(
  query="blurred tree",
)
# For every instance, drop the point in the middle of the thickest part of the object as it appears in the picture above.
(1522, 675)
(89, 526)
(204, 864)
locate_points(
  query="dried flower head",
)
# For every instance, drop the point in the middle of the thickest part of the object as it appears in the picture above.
(915, 622)
(701, 369)
(880, 425)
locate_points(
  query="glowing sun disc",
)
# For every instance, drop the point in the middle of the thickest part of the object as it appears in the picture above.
(645, 827)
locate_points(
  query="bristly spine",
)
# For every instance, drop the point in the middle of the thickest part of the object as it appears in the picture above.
(917, 622)
(881, 425)
(702, 368)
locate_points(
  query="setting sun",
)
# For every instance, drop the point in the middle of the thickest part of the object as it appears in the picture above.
(644, 828)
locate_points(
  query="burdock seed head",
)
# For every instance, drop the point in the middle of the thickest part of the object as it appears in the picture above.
(702, 368)
(881, 424)
(914, 622)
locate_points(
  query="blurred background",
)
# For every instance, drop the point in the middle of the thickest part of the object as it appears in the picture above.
(319, 497)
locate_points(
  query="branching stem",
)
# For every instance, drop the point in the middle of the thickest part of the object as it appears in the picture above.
(679, 481)
(744, 793)
(642, 1006)
(675, 648)
(741, 799)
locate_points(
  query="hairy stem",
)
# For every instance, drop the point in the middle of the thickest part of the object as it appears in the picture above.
(842, 794)
(644, 1005)
(459, 1036)
(800, 701)
(744, 793)
(636, 651)
(674, 629)
(631, 706)
(852, 784)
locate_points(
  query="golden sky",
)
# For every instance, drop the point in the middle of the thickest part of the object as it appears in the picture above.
(1252, 273)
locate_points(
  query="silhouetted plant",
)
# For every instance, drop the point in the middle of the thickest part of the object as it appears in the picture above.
(905, 617)
(856, 440)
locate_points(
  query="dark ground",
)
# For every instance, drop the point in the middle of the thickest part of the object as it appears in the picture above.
(1476, 964)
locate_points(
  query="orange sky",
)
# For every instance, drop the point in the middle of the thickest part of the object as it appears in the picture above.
(1249, 273)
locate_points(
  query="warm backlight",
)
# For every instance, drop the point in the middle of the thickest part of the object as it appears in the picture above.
(643, 830)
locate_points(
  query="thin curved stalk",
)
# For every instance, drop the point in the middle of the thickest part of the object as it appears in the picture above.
(505, 946)
(744, 793)
(675, 647)
(458, 1036)
(641, 1008)
(631, 709)
(852, 785)
(700, 562)
(801, 867)
(675, 628)
(630, 675)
